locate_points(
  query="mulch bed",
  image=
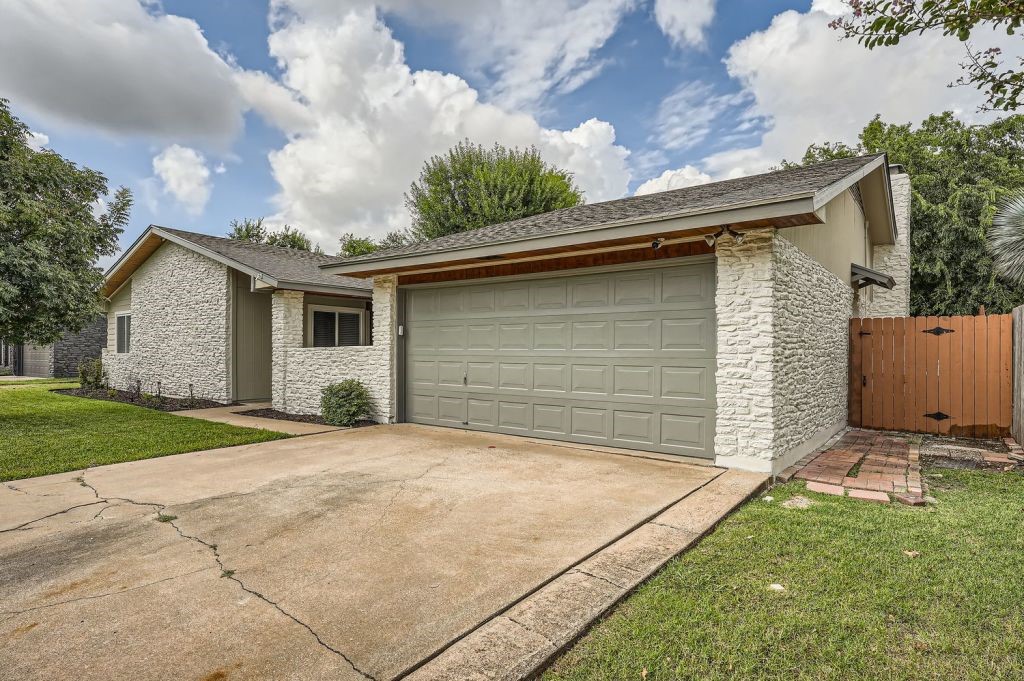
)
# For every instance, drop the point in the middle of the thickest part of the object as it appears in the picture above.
(157, 403)
(301, 418)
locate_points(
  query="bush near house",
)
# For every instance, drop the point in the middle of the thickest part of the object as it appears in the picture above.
(90, 374)
(346, 403)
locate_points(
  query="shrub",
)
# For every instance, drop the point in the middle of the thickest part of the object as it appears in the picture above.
(90, 373)
(346, 403)
(5, 371)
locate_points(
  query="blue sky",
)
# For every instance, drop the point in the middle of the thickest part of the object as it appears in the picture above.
(319, 113)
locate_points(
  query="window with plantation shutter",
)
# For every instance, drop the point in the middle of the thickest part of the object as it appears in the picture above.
(324, 329)
(330, 328)
(348, 329)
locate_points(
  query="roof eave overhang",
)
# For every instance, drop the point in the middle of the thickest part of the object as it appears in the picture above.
(861, 276)
(262, 279)
(314, 288)
(800, 204)
(876, 192)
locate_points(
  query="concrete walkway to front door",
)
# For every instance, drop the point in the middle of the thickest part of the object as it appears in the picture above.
(357, 554)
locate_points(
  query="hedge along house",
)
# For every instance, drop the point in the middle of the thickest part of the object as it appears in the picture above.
(190, 314)
(710, 321)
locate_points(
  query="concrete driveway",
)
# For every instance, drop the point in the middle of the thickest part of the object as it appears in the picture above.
(350, 555)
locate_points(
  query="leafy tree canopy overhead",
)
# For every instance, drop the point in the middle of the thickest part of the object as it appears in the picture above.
(51, 238)
(352, 245)
(959, 173)
(253, 231)
(883, 23)
(471, 187)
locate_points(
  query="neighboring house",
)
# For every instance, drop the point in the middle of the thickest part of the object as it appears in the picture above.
(57, 360)
(190, 314)
(709, 321)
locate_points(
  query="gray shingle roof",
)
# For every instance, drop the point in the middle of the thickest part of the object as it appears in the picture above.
(277, 262)
(763, 188)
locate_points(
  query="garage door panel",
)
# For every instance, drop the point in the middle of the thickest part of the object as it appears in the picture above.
(551, 336)
(633, 381)
(482, 412)
(551, 419)
(623, 358)
(590, 378)
(450, 373)
(688, 384)
(482, 375)
(635, 288)
(514, 336)
(635, 334)
(633, 427)
(687, 434)
(551, 377)
(693, 336)
(451, 410)
(514, 376)
(482, 337)
(592, 335)
(514, 415)
(589, 422)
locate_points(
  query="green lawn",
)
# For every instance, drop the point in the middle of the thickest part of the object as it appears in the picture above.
(855, 606)
(42, 432)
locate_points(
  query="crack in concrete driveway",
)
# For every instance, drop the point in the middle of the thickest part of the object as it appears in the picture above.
(374, 560)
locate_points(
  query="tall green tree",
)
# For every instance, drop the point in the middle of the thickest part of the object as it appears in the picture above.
(248, 229)
(352, 245)
(253, 231)
(471, 187)
(883, 23)
(959, 173)
(51, 238)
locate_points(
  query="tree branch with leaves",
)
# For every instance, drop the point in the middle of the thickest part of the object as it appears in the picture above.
(884, 23)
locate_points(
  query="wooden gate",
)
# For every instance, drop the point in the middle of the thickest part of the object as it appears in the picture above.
(944, 375)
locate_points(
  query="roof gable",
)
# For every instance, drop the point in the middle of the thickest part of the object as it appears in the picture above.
(274, 266)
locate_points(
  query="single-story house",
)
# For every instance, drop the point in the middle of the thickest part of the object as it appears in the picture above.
(190, 314)
(710, 321)
(56, 360)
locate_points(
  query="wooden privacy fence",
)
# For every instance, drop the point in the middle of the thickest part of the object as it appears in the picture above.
(944, 375)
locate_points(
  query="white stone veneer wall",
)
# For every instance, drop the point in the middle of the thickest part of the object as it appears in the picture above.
(782, 352)
(301, 373)
(893, 260)
(181, 312)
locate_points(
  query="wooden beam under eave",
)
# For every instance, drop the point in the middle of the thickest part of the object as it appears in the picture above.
(635, 242)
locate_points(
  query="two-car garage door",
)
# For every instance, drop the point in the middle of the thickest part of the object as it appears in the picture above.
(623, 358)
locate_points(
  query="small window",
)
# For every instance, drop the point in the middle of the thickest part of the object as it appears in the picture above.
(124, 333)
(331, 328)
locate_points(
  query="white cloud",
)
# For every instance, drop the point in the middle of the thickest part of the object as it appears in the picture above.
(38, 140)
(689, 114)
(114, 66)
(684, 21)
(185, 176)
(372, 122)
(812, 87)
(687, 176)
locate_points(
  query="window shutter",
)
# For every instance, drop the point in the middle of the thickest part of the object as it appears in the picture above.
(323, 329)
(348, 329)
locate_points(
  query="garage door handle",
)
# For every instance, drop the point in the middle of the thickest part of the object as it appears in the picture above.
(465, 379)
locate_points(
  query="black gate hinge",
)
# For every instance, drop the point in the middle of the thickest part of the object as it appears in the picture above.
(937, 415)
(938, 331)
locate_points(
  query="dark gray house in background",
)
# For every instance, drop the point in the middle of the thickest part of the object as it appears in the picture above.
(58, 360)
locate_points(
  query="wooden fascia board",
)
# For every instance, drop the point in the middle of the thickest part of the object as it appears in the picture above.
(696, 224)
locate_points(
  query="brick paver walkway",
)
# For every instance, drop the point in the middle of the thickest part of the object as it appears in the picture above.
(868, 464)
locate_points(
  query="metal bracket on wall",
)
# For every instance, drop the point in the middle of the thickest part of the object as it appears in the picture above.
(938, 331)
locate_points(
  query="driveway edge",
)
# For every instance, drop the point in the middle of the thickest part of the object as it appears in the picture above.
(521, 641)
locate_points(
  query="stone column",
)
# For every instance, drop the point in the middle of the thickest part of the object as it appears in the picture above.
(385, 375)
(893, 259)
(286, 334)
(744, 299)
